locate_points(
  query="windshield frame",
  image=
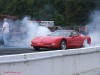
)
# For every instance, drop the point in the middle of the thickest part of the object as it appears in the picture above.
(61, 33)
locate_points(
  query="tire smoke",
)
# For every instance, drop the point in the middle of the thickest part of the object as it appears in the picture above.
(94, 28)
(23, 31)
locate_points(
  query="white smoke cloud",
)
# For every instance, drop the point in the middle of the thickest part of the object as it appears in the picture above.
(30, 28)
(43, 31)
(23, 31)
(94, 27)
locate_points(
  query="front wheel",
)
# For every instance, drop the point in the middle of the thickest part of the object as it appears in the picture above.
(36, 48)
(63, 45)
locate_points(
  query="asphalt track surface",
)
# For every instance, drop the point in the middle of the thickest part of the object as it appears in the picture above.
(10, 50)
(18, 50)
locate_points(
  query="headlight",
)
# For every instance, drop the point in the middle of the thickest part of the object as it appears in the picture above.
(51, 44)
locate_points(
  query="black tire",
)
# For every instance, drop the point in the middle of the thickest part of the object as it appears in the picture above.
(85, 43)
(36, 48)
(63, 45)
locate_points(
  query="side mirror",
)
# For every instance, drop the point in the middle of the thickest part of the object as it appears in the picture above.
(75, 36)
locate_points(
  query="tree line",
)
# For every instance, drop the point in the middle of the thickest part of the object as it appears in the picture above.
(63, 12)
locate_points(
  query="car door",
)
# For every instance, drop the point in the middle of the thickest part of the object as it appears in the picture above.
(70, 42)
(76, 39)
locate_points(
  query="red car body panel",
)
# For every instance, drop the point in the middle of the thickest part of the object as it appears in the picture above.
(45, 41)
(54, 41)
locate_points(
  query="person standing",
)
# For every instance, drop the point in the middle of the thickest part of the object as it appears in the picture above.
(5, 30)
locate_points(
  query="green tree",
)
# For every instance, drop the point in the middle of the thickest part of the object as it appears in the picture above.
(78, 11)
(61, 11)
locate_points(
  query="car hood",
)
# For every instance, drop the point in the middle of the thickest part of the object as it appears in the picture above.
(46, 39)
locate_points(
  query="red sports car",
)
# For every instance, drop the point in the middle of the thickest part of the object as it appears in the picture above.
(61, 39)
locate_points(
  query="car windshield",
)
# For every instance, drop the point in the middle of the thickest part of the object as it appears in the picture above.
(60, 33)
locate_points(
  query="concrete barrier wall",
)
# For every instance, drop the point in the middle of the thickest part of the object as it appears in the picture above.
(84, 61)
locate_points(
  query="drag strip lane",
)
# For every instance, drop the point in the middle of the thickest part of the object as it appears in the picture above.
(9, 51)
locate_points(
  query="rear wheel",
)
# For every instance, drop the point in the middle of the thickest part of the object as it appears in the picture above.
(36, 48)
(63, 45)
(85, 43)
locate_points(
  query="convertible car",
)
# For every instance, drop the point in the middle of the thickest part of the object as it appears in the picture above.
(61, 39)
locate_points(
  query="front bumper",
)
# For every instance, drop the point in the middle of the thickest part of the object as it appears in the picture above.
(53, 45)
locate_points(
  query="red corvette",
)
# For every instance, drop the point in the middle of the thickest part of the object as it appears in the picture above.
(61, 39)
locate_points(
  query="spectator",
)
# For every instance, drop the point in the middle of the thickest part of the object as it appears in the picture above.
(5, 30)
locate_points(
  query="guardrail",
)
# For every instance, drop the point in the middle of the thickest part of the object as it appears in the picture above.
(60, 62)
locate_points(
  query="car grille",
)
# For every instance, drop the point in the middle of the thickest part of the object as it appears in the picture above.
(34, 43)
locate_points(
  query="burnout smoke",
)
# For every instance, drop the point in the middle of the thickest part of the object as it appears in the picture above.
(43, 31)
(94, 28)
(30, 29)
(23, 31)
